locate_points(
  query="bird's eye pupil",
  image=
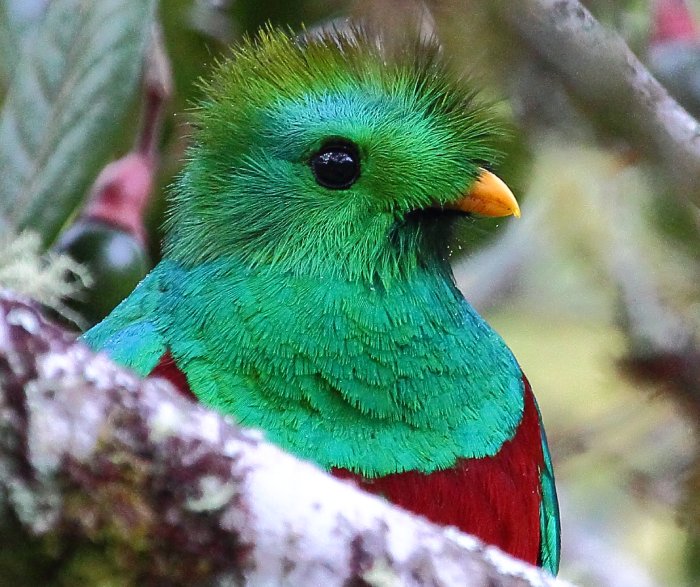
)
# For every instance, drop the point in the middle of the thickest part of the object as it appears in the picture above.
(336, 165)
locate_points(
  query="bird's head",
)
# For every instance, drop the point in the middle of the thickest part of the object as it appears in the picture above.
(324, 156)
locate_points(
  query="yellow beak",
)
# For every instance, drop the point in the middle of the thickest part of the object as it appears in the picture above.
(489, 196)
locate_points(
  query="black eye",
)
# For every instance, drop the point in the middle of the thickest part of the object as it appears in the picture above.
(336, 165)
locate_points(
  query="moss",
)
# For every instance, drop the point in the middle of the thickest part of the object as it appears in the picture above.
(24, 560)
(99, 566)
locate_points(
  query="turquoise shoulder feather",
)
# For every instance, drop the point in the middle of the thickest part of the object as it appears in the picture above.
(129, 334)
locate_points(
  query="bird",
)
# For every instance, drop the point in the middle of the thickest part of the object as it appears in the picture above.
(305, 287)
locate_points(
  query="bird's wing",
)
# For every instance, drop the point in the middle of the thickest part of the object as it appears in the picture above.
(128, 334)
(549, 513)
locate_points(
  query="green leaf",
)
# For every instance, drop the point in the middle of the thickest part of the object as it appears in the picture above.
(66, 101)
(19, 19)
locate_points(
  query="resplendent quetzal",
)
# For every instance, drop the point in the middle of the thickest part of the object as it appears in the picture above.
(304, 286)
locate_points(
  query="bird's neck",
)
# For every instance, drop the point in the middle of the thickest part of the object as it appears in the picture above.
(380, 368)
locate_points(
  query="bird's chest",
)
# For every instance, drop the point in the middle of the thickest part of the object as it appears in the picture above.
(496, 498)
(410, 379)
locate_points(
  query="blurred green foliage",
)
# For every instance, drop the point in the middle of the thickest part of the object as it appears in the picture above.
(63, 106)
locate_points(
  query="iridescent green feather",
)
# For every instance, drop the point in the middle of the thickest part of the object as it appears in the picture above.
(247, 186)
(329, 318)
(386, 380)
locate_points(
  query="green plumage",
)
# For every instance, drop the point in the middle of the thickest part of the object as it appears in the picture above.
(329, 317)
(247, 189)
(300, 358)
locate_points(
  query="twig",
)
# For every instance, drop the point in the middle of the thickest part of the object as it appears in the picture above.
(123, 188)
(600, 70)
(662, 342)
(157, 92)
